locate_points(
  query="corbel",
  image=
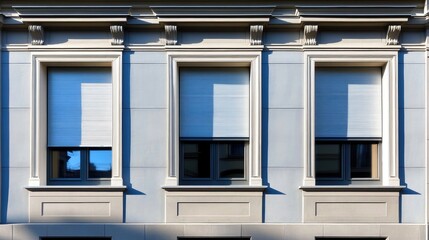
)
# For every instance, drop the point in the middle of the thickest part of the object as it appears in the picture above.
(392, 36)
(256, 34)
(36, 33)
(170, 35)
(117, 34)
(310, 34)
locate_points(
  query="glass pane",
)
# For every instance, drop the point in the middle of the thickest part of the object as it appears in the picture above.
(65, 163)
(196, 160)
(328, 161)
(100, 163)
(231, 160)
(363, 157)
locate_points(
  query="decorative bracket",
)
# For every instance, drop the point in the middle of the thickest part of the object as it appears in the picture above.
(170, 35)
(310, 34)
(117, 34)
(36, 33)
(392, 36)
(256, 34)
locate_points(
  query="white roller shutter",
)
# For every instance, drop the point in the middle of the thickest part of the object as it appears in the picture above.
(348, 102)
(214, 102)
(79, 107)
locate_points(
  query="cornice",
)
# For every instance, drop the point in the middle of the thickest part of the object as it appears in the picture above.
(71, 11)
(349, 20)
(72, 14)
(355, 10)
(211, 11)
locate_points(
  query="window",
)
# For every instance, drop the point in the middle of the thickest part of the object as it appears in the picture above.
(79, 125)
(219, 161)
(346, 160)
(214, 125)
(348, 123)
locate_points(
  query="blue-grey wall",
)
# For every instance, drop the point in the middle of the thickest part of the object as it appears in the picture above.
(145, 132)
(412, 130)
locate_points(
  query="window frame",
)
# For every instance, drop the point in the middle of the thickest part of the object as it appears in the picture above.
(200, 58)
(214, 178)
(346, 166)
(84, 168)
(40, 63)
(388, 147)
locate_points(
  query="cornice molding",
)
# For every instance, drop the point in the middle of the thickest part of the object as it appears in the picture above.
(256, 34)
(212, 11)
(72, 14)
(71, 11)
(356, 10)
(117, 34)
(170, 34)
(60, 20)
(36, 33)
(310, 34)
(203, 20)
(348, 20)
(392, 36)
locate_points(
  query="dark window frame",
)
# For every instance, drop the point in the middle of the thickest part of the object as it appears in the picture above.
(214, 178)
(84, 168)
(346, 162)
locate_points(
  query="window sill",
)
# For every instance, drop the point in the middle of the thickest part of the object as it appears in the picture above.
(76, 188)
(360, 188)
(209, 188)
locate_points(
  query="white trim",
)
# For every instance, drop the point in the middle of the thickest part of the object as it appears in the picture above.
(40, 62)
(388, 60)
(221, 58)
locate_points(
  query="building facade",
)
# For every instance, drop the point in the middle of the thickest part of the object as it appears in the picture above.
(214, 120)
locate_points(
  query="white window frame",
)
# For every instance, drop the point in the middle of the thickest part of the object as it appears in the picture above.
(388, 61)
(251, 59)
(39, 150)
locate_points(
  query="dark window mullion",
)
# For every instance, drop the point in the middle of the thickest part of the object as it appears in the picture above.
(213, 159)
(84, 164)
(345, 161)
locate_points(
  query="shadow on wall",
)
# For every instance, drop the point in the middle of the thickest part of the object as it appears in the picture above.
(139, 232)
(126, 132)
(401, 134)
(265, 132)
(5, 138)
